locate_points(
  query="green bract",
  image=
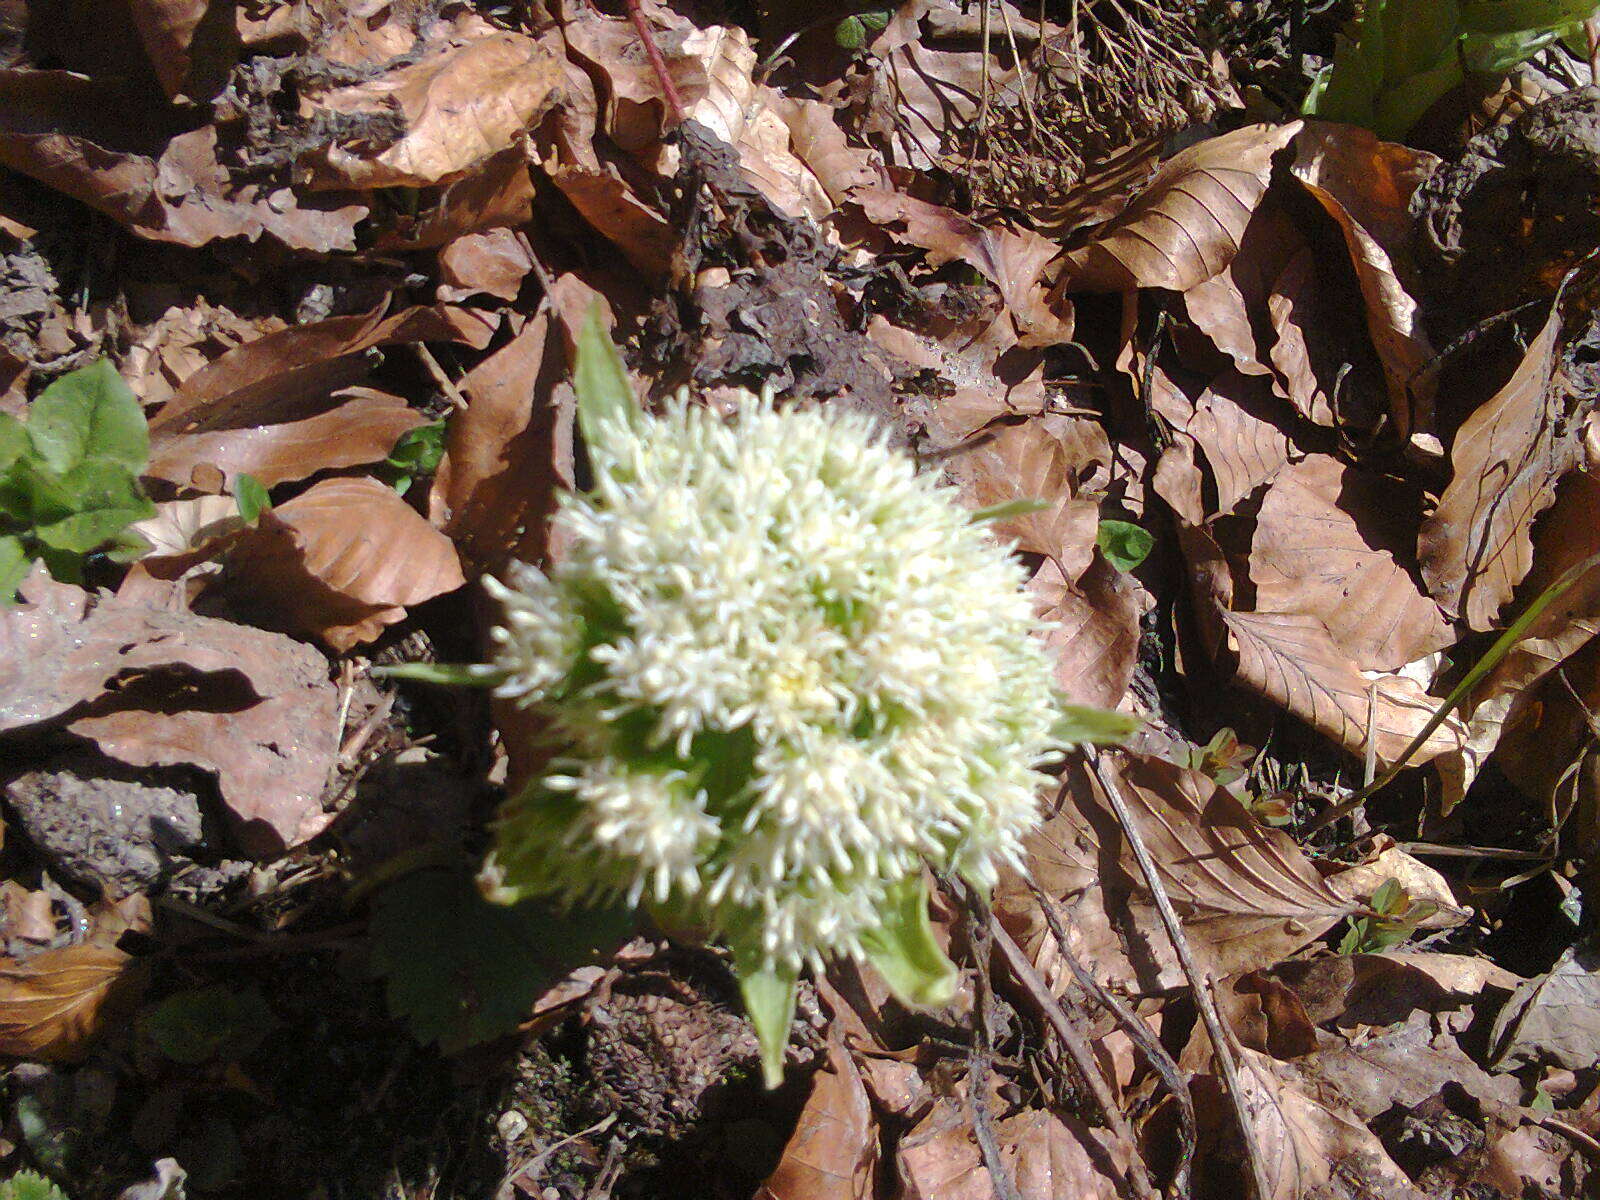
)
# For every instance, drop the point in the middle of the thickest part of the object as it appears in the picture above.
(787, 670)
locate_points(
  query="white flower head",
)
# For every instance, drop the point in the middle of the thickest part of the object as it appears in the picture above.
(789, 670)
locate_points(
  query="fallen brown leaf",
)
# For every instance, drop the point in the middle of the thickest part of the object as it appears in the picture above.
(1292, 660)
(1093, 630)
(834, 1148)
(53, 1005)
(1554, 1018)
(1505, 463)
(1187, 222)
(1247, 895)
(341, 561)
(252, 708)
(492, 263)
(1328, 545)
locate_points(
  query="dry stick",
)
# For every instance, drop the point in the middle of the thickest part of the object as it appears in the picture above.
(1078, 1050)
(653, 53)
(980, 1059)
(1139, 1033)
(1202, 991)
(446, 384)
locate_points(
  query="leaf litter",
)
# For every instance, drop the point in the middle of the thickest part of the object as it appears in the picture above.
(1307, 418)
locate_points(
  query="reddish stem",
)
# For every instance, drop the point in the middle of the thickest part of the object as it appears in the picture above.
(653, 53)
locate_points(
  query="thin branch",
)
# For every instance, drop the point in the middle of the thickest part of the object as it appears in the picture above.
(653, 53)
(1203, 999)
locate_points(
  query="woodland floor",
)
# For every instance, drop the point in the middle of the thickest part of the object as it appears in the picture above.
(340, 251)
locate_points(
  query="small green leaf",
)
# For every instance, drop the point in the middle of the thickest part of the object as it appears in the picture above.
(461, 970)
(419, 450)
(1124, 544)
(89, 414)
(13, 440)
(605, 397)
(446, 674)
(1008, 509)
(14, 564)
(769, 996)
(850, 33)
(252, 497)
(904, 950)
(877, 21)
(1390, 898)
(30, 1185)
(1077, 724)
(207, 1023)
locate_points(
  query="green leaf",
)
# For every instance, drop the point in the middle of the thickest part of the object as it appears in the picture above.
(1008, 509)
(14, 564)
(461, 970)
(99, 498)
(1077, 724)
(446, 674)
(13, 440)
(1390, 898)
(850, 33)
(605, 397)
(769, 995)
(252, 497)
(207, 1023)
(904, 950)
(1521, 16)
(30, 1185)
(1124, 544)
(419, 450)
(89, 414)
(876, 21)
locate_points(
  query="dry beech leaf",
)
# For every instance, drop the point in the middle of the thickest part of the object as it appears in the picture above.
(509, 452)
(1554, 1018)
(491, 263)
(1230, 308)
(1292, 308)
(253, 708)
(1046, 1156)
(1505, 463)
(1320, 549)
(72, 134)
(1309, 1147)
(1014, 262)
(361, 426)
(342, 561)
(1093, 630)
(1247, 895)
(53, 1005)
(1187, 223)
(834, 1148)
(1230, 424)
(1292, 660)
(1046, 459)
(1362, 880)
(459, 105)
(289, 374)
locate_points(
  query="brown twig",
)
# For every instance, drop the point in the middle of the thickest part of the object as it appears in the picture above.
(980, 1058)
(1139, 1033)
(657, 62)
(1082, 1056)
(1201, 985)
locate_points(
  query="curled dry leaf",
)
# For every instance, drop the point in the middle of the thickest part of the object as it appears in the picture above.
(53, 1005)
(1247, 895)
(1322, 547)
(1045, 1156)
(1292, 660)
(341, 561)
(252, 708)
(71, 134)
(833, 1151)
(360, 426)
(1093, 630)
(492, 263)
(1555, 1018)
(1187, 223)
(458, 104)
(1313, 1146)
(1231, 422)
(1505, 464)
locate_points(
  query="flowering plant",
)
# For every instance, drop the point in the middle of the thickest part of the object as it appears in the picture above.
(784, 670)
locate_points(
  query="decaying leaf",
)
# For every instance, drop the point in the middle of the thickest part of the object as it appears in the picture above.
(252, 708)
(1186, 224)
(1554, 1018)
(53, 1005)
(1093, 630)
(1247, 895)
(1328, 545)
(342, 561)
(834, 1148)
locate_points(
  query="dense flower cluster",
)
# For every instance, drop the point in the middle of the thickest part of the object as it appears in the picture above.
(785, 667)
